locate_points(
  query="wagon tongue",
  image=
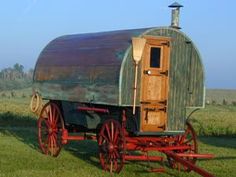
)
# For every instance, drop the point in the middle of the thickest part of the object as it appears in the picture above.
(189, 165)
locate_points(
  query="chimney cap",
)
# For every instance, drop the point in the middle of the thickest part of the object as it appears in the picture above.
(175, 5)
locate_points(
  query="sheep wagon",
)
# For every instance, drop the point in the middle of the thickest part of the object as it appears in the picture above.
(128, 90)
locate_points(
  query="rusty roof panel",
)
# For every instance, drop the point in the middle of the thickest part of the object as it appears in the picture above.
(105, 48)
(81, 63)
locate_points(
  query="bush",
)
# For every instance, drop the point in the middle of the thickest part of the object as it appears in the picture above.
(213, 102)
(13, 94)
(225, 102)
(3, 95)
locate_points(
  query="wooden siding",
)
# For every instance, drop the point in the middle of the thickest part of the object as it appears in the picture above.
(186, 77)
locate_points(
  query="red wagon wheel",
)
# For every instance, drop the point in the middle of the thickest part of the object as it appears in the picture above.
(189, 138)
(111, 146)
(50, 125)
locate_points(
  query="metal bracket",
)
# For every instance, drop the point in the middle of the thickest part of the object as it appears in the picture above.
(166, 43)
(165, 73)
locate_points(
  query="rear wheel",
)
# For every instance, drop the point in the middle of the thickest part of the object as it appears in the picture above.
(111, 146)
(189, 138)
(50, 126)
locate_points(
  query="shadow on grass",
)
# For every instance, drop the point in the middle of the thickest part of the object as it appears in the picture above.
(220, 141)
(9, 119)
(21, 127)
(86, 150)
(24, 129)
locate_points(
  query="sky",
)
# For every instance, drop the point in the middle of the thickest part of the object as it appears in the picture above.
(27, 26)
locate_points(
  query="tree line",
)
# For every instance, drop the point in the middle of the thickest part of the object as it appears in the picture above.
(15, 77)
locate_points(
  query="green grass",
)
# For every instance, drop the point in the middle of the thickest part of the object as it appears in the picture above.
(20, 156)
(215, 121)
(26, 92)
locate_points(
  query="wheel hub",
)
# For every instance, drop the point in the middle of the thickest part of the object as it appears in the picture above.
(110, 147)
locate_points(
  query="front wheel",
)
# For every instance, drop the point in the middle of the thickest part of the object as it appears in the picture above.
(111, 146)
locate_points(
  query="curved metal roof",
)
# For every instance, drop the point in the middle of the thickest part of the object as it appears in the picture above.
(106, 48)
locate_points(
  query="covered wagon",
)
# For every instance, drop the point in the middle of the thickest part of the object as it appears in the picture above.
(96, 88)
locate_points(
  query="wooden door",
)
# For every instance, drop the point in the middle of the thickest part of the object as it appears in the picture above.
(154, 85)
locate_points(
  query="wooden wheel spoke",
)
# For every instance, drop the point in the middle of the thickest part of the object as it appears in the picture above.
(56, 119)
(49, 113)
(48, 142)
(104, 137)
(182, 138)
(112, 131)
(51, 147)
(115, 164)
(47, 123)
(111, 166)
(111, 135)
(188, 141)
(116, 136)
(54, 136)
(116, 154)
(108, 132)
(49, 128)
(53, 111)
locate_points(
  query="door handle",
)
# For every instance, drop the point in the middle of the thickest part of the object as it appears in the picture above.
(148, 72)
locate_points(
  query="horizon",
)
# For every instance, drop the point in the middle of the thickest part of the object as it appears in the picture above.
(30, 25)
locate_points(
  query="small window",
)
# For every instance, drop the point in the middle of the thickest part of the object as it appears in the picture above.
(155, 58)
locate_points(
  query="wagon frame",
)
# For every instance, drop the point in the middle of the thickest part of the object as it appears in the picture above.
(116, 145)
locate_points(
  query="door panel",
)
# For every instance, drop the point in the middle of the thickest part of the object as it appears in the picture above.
(154, 85)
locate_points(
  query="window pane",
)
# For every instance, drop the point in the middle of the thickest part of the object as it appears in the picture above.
(155, 60)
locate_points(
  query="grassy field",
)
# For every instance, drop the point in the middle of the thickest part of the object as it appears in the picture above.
(218, 95)
(20, 156)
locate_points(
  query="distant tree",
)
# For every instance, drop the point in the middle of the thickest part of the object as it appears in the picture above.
(18, 67)
(234, 103)
(15, 78)
(7, 73)
(225, 102)
(213, 102)
(30, 74)
(23, 95)
(13, 94)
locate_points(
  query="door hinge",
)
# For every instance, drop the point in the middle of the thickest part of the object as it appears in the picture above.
(164, 73)
(166, 43)
(155, 109)
(145, 102)
(163, 102)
